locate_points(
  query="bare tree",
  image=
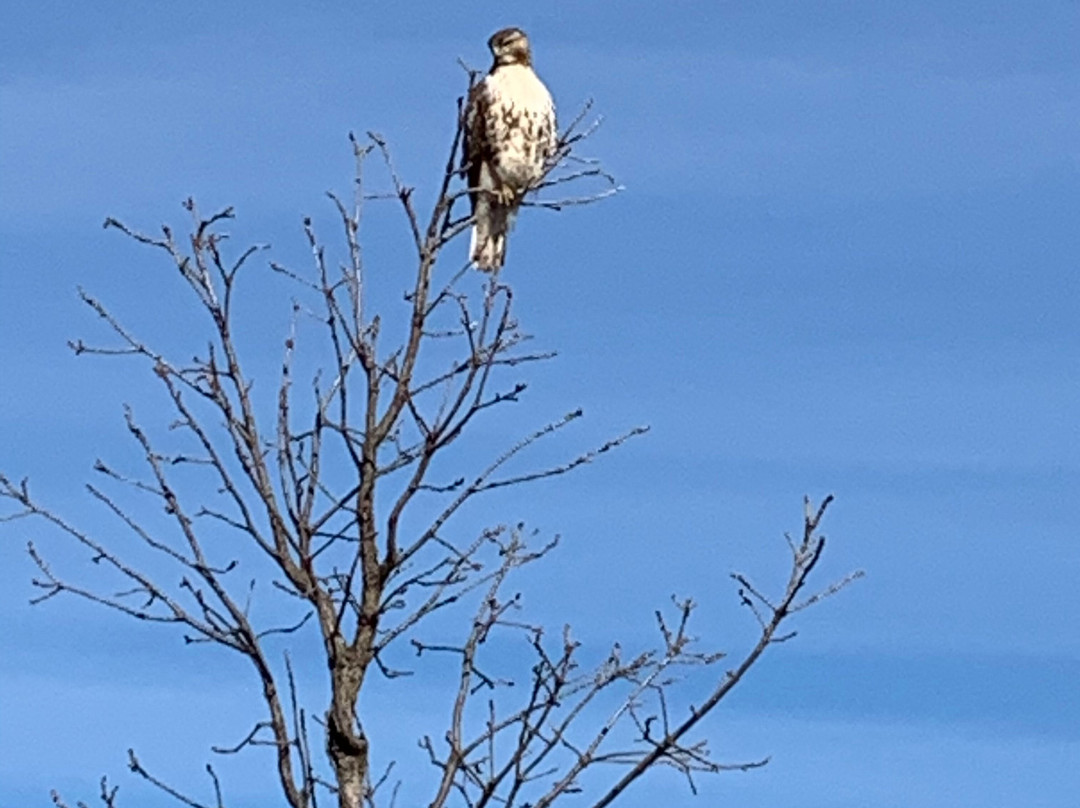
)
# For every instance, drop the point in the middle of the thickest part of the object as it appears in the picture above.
(340, 492)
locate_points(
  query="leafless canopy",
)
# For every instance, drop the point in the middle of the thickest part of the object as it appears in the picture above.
(331, 489)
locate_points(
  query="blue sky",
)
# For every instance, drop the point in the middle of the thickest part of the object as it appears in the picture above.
(845, 262)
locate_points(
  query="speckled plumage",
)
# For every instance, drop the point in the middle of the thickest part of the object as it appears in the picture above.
(510, 134)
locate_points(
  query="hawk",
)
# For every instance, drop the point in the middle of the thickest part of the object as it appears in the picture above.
(510, 135)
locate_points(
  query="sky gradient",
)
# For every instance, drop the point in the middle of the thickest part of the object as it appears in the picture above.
(845, 262)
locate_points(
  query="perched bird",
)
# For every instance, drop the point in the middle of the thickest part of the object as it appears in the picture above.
(510, 134)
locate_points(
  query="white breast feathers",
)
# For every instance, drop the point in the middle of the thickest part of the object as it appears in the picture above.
(522, 120)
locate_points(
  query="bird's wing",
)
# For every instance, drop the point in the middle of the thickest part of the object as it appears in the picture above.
(475, 146)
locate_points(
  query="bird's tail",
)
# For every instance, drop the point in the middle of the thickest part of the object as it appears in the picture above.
(487, 246)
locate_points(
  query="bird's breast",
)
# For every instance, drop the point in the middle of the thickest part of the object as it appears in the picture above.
(521, 124)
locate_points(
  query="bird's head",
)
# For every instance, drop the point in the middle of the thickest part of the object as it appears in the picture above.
(510, 46)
